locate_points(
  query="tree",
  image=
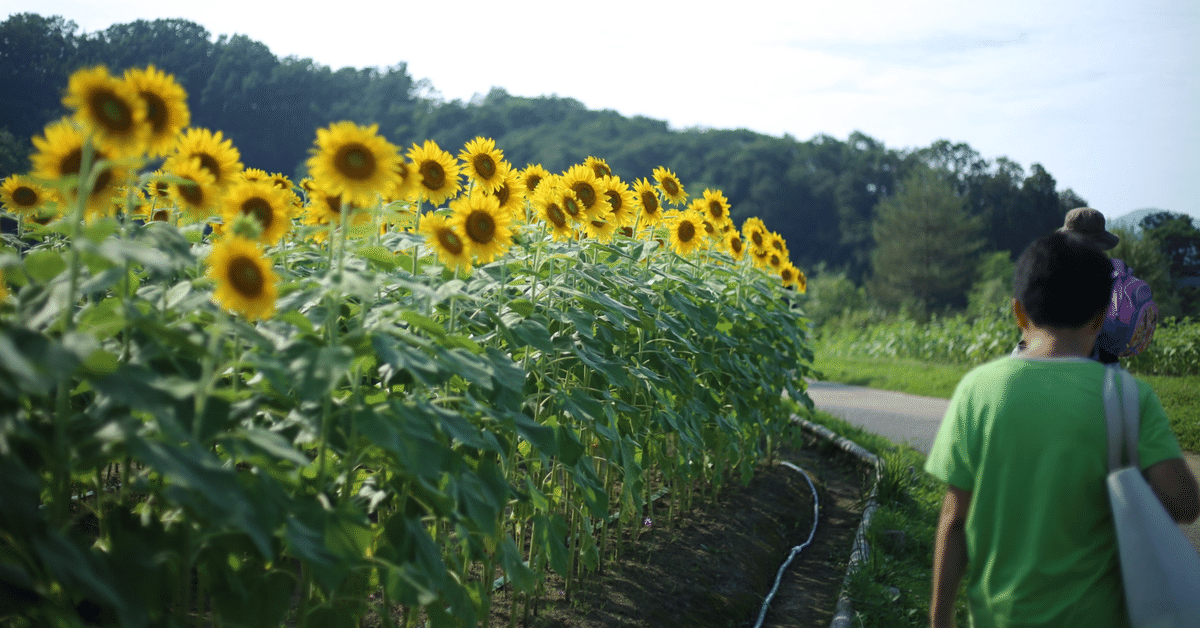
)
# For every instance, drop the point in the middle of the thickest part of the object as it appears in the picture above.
(925, 245)
(1142, 254)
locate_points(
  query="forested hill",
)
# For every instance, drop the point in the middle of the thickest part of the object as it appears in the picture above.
(820, 194)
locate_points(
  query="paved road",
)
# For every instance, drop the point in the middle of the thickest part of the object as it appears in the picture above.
(910, 418)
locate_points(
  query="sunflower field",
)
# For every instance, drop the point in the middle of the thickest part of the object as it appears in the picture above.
(399, 392)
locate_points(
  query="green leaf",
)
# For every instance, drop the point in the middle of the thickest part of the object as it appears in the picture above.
(44, 265)
(420, 321)
(379, 256)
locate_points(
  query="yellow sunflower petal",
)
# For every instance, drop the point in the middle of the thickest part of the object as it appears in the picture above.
(354, 160)
(246, 282)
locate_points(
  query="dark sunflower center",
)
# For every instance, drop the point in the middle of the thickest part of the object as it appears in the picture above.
(502, 194)
(715, 210)
(649, 203)
(627, 232)
(775, 261)
(778, 245)
(599, 224)
(786, 274)
(757, 238)
(585, 192)
(450, 241)
(432, 175)
(161, 188)
(246, 277)
(102, 182)
(601, 170)
(25, 196)
(191, 192)
(614, 200)
(555, 214)
(111, 111)
(355, 161)
(736, 245)
(670, 186)
(260, 210)
(71, 162)
(571, 206)
(532, 182)
(210, 163)
(481, 227)
(334, 202)
(160, 215)
(484, 166)
(709, 228)
(156, 111)
(686, 231)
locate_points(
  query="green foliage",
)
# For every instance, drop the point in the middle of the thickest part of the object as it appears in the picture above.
(924, 243)
(992, 291)
(389, 435)
(831, 295)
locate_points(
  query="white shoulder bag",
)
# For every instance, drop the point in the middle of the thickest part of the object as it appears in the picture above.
(1159, 566)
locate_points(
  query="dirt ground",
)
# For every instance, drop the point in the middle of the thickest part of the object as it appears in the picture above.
(719, 562)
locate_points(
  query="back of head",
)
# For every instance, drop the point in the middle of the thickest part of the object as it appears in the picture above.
(1063, 281)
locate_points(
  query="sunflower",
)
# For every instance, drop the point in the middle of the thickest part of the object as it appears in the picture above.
(354, 160)
(485, 163)
(21, 196)
(588, 189)
(405, 187)
(620, 202)
(166, 107)
(759, 257)
(548, 204)
(445, 240)
(60, 155)
(735, 245)
(510, 193)
(755, 233)
(646, 202)
(262, 201)
(325, 207)
(485, 227)
(669, 185)
(776, 261)
(686, 231)
(716, 207)
(216, 154)
(791, 276)
(197, 195)
(600, 230)
(246, 283)
(533, 175)
(110, 109)
(437, 172)
(253, 174)
(776, 244)
(599, 166)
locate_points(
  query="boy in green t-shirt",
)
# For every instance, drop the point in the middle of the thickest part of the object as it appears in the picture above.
(1023, 450)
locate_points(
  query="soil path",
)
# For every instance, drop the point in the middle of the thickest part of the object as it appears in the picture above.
(715, 567)
(902, 417)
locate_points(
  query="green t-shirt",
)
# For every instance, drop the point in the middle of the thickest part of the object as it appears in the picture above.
(1028, 437)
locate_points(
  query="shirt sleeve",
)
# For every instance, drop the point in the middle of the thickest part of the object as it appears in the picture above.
(1156, 440)
(950, 456)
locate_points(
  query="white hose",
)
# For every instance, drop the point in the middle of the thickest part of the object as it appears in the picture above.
(795, 550)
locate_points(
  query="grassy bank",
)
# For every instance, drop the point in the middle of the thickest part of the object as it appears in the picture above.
(892, 587)
(1178, 394)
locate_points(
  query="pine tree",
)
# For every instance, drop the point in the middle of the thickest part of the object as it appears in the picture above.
(925, 245)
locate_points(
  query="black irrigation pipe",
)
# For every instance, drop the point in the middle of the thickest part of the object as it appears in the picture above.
(762, 613)
(859, 553)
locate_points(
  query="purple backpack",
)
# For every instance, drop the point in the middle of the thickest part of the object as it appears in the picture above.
(1132, 316)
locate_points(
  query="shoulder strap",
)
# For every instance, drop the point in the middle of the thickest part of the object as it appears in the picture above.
(1129, 395)
(1122, 417)
(1112, 415)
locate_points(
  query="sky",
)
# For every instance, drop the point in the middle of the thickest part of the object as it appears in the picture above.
(1105, 95)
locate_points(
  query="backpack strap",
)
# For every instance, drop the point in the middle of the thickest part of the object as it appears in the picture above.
(1121, 415)
(1129, 395)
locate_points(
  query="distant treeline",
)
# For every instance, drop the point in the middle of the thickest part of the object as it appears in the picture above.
(820, 194)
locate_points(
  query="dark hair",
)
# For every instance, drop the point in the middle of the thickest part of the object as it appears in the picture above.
(1063, 280)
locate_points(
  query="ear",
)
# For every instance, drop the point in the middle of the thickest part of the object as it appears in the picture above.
(1097, 321)
(1021, 315)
